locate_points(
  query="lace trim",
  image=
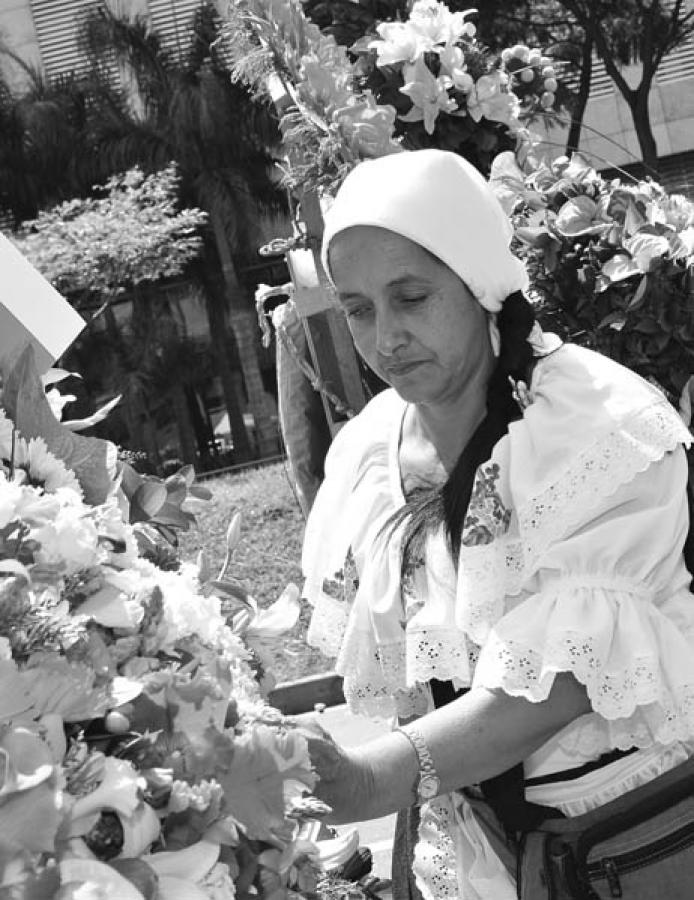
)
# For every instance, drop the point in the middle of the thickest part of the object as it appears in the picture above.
(599, 470)
(402, 669)
(434, 863)
(377, 702)
(489, 573)
(639, 706)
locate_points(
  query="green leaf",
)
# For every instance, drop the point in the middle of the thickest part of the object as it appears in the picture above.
(91, 459)
(614, 320)
(639, 295)
(150, 497)
(619, 267)
(535, 236)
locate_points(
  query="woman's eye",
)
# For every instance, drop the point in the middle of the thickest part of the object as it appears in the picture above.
(417, 298)
(357, 312)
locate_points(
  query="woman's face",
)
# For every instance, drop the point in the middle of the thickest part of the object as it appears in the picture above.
(411, 317)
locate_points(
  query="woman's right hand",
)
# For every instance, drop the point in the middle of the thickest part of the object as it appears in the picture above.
(345, 777)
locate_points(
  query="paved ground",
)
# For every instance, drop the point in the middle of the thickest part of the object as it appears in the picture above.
(349, 730)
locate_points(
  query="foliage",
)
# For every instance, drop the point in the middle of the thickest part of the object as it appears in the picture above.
(620, 31)
(130, 232)
(138, 757)
(182, 106)
(187, 111)
(46, 154)
(347, 21)
(611, 263)
(423, 82)
(266, 557)
(447, 89)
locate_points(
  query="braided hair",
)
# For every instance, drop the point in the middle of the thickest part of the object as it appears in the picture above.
(427, 508)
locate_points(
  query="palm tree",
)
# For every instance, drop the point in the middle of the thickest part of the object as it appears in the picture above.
(44, 158)
(185, 108)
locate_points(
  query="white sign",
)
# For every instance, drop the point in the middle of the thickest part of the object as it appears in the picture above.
(32, 311)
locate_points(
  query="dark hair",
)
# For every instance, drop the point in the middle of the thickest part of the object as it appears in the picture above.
(428, 508)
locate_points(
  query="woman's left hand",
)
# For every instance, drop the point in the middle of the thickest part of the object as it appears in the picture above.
(345, 776)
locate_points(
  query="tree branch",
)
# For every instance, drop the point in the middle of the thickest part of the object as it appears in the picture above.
(612, 69)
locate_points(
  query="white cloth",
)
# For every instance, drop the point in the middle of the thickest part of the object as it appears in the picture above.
(570, 561)
(441, 202)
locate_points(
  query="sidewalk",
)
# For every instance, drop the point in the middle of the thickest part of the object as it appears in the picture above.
(349, 730)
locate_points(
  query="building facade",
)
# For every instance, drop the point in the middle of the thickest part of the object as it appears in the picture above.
(44, 34)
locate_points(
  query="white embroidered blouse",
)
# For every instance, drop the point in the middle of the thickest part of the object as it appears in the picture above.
(570, 561)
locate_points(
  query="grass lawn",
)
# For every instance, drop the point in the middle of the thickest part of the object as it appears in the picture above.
(268, 555)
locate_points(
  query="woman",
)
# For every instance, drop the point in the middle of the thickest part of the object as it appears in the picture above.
(512, 515)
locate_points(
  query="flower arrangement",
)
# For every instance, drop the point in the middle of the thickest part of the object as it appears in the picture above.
(448, 90)
(426, 81)
(138, 759)
(611, 262)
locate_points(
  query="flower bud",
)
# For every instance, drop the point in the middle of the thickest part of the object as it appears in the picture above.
(234, 532)
(520, 51)
(551, 84)
(116, 722)
(548, 72)
(547, 99)
(527, 75)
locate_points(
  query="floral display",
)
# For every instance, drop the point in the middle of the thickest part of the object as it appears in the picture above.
(426, 81)
(611, 261)
(435, 60)
(138, 759)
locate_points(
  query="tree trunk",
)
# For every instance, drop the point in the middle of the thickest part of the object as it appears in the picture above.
(219, 333)
(574, 138)
(243, 325)
(644, 132)
(186, 435)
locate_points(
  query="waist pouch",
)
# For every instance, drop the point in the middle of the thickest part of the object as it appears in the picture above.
(639, 846)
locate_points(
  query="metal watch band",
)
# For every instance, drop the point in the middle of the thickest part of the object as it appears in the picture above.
(428, 782)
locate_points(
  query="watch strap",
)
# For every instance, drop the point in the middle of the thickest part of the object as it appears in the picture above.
(427, 770)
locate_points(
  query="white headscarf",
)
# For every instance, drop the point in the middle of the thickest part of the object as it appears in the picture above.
(441, 202)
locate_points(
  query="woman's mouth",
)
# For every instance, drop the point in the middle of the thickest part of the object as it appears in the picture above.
(402, 368)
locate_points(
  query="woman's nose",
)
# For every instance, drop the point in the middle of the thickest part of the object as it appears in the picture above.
(390, 336)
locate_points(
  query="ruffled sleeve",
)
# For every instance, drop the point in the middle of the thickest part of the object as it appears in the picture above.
(591, 578)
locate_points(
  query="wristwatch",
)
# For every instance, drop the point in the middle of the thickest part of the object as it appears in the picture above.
(428, 782)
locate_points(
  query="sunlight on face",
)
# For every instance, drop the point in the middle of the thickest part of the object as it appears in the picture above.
(412, 319)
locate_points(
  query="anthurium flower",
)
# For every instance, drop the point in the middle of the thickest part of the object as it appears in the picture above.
(644, 248)
(619, 267)
(429, 95)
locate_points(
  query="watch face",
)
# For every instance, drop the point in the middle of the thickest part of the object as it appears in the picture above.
(428, 787)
